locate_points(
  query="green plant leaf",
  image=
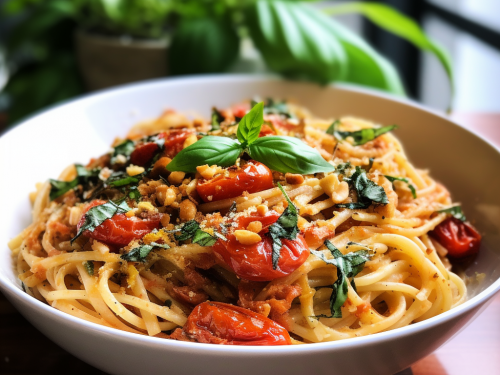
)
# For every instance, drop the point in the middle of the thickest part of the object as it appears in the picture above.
(250, 125)
(203, 45)
(455, 211)
(397, 23)
(368, 192)
(362, 136)
(410, 186)
(288, 154)
(293, 42)
(365, 66)
(209, 150)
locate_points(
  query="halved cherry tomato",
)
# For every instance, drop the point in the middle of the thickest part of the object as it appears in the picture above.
(279, 122)
(240, 110)
(254, 262)
(221, 323)
(120, 230)
(143, 153)
(266, 130)
(459, 238)
(174, 140)
(253, 177)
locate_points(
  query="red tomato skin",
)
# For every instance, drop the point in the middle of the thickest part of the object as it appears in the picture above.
(240, 110)
(279, 122)
(461, 239)
(174, 140)
(266, 130)
(119, 230)
(253, 177)
(217, 322)
(143, 153)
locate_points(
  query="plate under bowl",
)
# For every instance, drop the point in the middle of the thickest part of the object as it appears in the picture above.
(43, 145)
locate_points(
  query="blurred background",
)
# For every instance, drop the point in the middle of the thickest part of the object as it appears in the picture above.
(443, 53)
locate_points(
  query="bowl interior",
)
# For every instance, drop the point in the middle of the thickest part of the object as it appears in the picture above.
(42, 146)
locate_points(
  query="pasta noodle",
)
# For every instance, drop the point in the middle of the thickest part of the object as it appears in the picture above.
(148, 280)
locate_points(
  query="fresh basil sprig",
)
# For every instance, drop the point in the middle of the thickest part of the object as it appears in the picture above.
(348, 265)
(140, 253)
(368, 192)
(282, 154)
(99, 214)
(285, 227)
(191, 231)
(125, 148)
(455, 211)
(83, 176)
(412, 188)
(360, 137)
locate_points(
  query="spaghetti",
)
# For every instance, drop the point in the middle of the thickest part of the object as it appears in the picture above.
(348, 251)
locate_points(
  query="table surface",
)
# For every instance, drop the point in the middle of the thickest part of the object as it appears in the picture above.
(24, 350)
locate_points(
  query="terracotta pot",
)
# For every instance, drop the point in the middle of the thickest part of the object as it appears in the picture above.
(109, 61)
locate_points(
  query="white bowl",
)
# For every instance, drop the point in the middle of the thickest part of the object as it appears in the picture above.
(43, 145)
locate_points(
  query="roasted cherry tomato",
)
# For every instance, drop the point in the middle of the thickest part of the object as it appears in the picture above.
(221, 323)
(459, 238)
(253, 177)
(120, 230)
(143, 153)
(266, 130)
(240, 110)
(254, 262)
(174, 140)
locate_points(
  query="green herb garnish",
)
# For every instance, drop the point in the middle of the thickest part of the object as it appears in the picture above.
(455, 211)
(83, 176)
(217, 118)
(89, 267)
(99, 214)
(140, 253)
(125, 148)
(285, 227)
(191, 231)
(283, 154)
(348, 265)
(368, 192)
(360, 137)
(412, 188)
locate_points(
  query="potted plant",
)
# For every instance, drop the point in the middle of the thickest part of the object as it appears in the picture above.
(118, 41)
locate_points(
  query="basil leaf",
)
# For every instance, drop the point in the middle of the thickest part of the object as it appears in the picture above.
(397, 23)
(278, 108)
(122, 179)
(138, 254)
(217, 118)
(342, 168)
(288, 154)
(89, 267)
(364, 135)
(209, 150)
(191, 230)
(125, 148)
(83, 176)
(410, 186)
(250, 125)
(348, 265)
(285, 227)
(134, 194)
(294, 43)
(455, 211)
(368, 192)
(99, 214)
(58, 188)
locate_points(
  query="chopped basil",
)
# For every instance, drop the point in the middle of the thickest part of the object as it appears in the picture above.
(125, 148)
(140, 253)
(343, 168)
(348, 265)
(285, 227)
(83, 176)
(275, 107)
(217, 118)
(89, 267)
(134, 194)
(412, 188)
(360, 137)
(119, 179)
(368, 192)
(455, 211)
(191, 231)
(99, 214)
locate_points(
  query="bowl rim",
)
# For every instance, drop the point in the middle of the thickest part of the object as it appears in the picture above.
(14, 291)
